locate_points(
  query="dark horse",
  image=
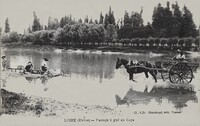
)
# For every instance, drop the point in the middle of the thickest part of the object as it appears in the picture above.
(140, 67)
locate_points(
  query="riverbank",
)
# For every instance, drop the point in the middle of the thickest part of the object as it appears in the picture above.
(18, 103)
(20, 45)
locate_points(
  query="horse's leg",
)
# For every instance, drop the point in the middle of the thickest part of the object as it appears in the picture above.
(154, 76)
(131, 77)
(146, 74)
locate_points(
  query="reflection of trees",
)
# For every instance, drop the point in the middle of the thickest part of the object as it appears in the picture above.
(91, 65)
(178, 96)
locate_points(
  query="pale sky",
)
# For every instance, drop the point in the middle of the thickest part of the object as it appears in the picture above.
(20, 12)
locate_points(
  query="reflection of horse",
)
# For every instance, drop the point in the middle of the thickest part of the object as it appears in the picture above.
(137, 68)
(178, 96)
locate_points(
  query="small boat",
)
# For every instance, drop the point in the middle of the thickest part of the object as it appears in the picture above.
(35, 73)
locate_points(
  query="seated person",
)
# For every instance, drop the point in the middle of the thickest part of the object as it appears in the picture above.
(179, 56)
(44, 66)
(29, 67)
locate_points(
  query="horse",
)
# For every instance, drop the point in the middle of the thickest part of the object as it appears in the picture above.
(139, 67)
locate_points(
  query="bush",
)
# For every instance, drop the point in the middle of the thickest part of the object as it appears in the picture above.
(188, 42)
(163, 41)
(28, 37)
(181, 42)
(10, 37)
(151, 42)
(196, 41)
(44, 37)
(143, 42)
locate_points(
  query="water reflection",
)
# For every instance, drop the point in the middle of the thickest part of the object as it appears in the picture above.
(176, 95)
(43, 79)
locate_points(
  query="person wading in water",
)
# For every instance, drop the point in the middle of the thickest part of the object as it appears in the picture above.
(4, 62)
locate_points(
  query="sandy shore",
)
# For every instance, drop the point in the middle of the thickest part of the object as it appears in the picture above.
(14, 103)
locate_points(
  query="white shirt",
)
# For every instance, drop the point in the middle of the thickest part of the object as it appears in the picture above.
(180, 57)
(44, 63)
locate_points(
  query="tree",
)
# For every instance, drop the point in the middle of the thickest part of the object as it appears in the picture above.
(0, 31)
(127, 20)
(7, 26)
(86, 19)
(136, 19)
(111, 33)
(53, 24)
(65, 20)
(91, 22)
(101, 18)
(106, 22)
(188, 27)
(109, 18)
(96, 21)
(80, 21)
(177, 20)
(36, 23)
(168, 21)
(162, 21)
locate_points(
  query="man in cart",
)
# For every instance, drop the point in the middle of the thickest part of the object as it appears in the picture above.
(180, 56)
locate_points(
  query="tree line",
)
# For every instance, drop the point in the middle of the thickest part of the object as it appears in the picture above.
(170, 26)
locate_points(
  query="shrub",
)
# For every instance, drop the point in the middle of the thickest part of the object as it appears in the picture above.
(10, 37)
(188, 42)
(196, 41)
(28, 37)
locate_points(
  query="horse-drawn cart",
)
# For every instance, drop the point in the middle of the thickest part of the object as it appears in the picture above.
(178, 72)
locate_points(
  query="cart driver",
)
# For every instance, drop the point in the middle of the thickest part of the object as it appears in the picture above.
(179, 56)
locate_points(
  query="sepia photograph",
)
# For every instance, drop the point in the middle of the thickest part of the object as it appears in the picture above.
(99, 62)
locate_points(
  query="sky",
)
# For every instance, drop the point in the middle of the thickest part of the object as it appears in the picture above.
(20, 12)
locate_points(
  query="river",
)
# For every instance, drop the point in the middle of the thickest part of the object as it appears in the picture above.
(91, 78)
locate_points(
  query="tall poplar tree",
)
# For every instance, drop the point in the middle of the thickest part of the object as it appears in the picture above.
(36, 23)
(7, 26)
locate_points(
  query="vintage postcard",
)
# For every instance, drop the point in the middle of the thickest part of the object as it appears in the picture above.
(99, 62)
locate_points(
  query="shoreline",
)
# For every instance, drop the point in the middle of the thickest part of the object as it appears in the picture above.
(20, 45)
(19, 103)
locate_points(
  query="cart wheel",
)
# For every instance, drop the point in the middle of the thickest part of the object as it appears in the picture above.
(180, 73)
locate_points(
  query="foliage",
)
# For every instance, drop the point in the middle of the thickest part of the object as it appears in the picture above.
(36, 23)
(188, 28)
(7, 26)
(0, 31)
(27, 37)
(173, 23)
(53, 24)
(10, 37)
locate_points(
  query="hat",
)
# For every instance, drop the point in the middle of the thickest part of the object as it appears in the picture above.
(45, 59)
(3, 57)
